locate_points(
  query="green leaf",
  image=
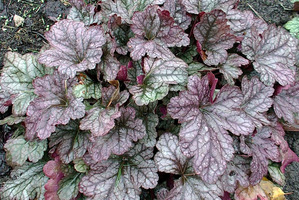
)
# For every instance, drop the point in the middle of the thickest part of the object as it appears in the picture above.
(68, 186)
(11, 120)
(293, 27)
(17, 77)
(26, 183)
(188, 55)
(18, 150)
(276, 175)
(87, 88)
(80, 165)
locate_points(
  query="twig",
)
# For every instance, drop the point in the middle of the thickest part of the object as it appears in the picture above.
(256, 12)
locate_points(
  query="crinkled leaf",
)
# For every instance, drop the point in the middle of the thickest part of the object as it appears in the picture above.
(261, 147)
(87, 88)
(158, 74)
(100, 120)
(5, 100)
(74, 47)
(154, 32)
(126, 8)
(250, 193)
(122, 178)
(178, 11)
(18, 150)
(187, 56)
(122, 34)
(209, 5)
(215, 37)
(257, 100)
(69, 186)
(272, 53)
(236, 172)
(231, 68)
(293, 27)
(144, 94)
(119, 139)
(196, 68)
(11, 120)
(150, 120)
(26, 182)
(276, 175)
(54, 105)
(109, 66)
(286, 104)
(192, 6)
(83, 12)
(17, 76)
(205, 123)
(170, 158)
(195, 188)
(69, 141)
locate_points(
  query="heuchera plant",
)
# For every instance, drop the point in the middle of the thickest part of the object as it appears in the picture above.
(151, 99)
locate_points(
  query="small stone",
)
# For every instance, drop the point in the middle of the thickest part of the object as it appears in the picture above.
(18, 20)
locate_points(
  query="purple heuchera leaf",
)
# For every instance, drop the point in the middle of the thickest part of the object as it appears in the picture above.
(178, 11)
(286, 104)
(100, 120)
(205, 124)
(69, 142)
(121, 178)
(54, 105)
(261, 147)
(257, 100)
(155, 31)
(119, 139)
(215, 37)
(74, 47)
(5, 100)
(272, 53)
(231, 68)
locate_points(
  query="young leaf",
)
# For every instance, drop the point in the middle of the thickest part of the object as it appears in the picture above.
(286, 104)
(100, 120)
(74, 47)
(205, 124)
(231, 68)
(154, 32)
(83, 12)
(150, 120)
(272, 53)
(17, 76)
(136, 170)
(178, 11)
(18, 150)
(26, 183)
(158, 74)
(69, 141)
(293, 27)
(69, 186)
(257, 100)
(54, 105)
(87, 88)
(119, 139)
(214, 36)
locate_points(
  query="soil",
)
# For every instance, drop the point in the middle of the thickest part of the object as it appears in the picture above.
(39, 15)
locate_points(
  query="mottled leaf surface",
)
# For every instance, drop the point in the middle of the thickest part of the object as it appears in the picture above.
(87, 88)
(5, 100)
(26, 182)
(178, 11)
(272, 53)
(80, 11)
(69, 186)
(215, 37)
(54, 105)
(286, 104)
(74, 47)
(155, 31)
(119, 139)
(257, 100)
(69, 141)
(17, 76)
(231, 68)
(18, 150)
(159, 74)
(205, 123)
(121, 178)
